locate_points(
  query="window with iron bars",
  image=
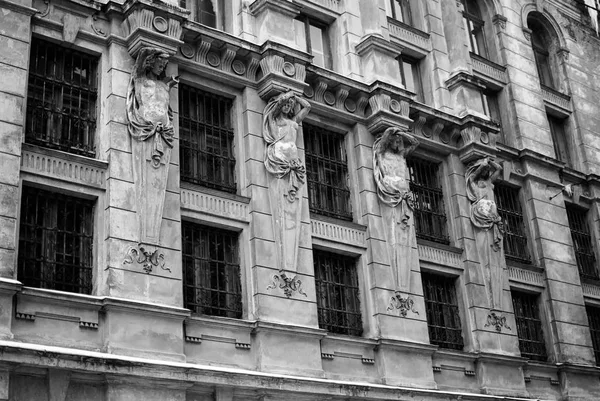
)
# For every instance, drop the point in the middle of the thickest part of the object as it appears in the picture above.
(327, 173)
(55, 241)
(429, 213)
(582, 242)
(211, 271)
(593, 314)
(61, 99)
(338, 301)
(509, 209)
(206, 139)
(529, 326)
(443, 319)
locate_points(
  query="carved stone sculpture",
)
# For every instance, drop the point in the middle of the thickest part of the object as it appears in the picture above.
(150, 125)
(489, 230)
(281, 121)
(396, 200)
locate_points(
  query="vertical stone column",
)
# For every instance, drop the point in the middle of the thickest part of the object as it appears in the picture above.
(349, 30)
(15, 36)
(568, 333)
(397, 318)
(437, 61)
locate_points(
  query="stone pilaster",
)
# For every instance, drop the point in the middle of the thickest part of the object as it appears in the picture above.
(15, 36)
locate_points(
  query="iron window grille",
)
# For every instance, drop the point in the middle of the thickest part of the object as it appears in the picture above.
(55, 241)
(206, 139)
(61, 99)
(443, 319)
(529, 326)
(211, 271)
(509, 209)
(429, 213)
(327, 173)
(593, 315)
(338, 299)
(582, 242)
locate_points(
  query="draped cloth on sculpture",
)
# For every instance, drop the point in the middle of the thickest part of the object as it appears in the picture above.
(484, 213)
(139, 127)
(281, 167)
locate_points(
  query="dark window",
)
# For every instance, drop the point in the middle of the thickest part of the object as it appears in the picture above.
(509, 208)
(211, 271)
(61, 99)
(55, 241)
(400, 11)
(443, 319)
(206, 13)
(540, 44)
(491, 107)
(529, 326)
(312, 36)
(429, 214)
(593, 314)
(559, 139)
(338, 301)
(327, 172)
(474, 27)
(582, 242)
(411, 77)
(206, 144)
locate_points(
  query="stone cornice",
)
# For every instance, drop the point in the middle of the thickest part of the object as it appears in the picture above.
(20, 8)
(283, 7)
(33, 355)
(376, 42)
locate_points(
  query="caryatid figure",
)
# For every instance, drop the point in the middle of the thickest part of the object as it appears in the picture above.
(150, 125)
(281, 124)
(489, 230)
(396, 199)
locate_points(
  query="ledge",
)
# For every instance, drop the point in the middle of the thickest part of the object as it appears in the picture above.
(304, 331)
(415, 42)
(34, 355)
(494, 74)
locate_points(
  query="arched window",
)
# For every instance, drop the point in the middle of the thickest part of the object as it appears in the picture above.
(474, 26)
(540, 42)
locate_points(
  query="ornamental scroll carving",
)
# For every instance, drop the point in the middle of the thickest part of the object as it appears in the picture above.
(150, 125)
(281, 124)
(489, 229)
(396, 204)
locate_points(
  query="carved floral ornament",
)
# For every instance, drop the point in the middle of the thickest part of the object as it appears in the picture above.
(403, 304)
(147, 259)
(289, 285)
(496, 320)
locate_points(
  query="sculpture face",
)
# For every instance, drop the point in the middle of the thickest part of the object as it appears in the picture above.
(288, 107)
(396, 143)
(159, 64)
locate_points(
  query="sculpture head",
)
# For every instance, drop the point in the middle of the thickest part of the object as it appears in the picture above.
(288, 107)
(156, 62)
(391, 139)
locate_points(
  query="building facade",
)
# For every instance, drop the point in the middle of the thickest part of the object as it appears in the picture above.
(162, 261)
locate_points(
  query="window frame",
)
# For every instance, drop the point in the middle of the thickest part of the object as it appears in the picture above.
(198, 142)
(336, 202)
(405, 11)
(49, 243)
(54, 110)
(514, 211)
(233, 290)
(474, 26)
(529, 327)
(324, 27)
(448, 311)
(589, 253)
(421, 215)
(352, 321)
(560, 140)
(594, 326)
(417, 82)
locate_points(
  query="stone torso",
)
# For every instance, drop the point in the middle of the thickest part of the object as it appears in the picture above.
(286, 147)
(154, 101)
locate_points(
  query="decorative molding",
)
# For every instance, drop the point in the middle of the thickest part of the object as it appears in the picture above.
(410, 36)
(368, 361)
(557, 99)
(242, 345)
(25, 316)
(526, 276)
(45, 13)
(439, 256)
(60, 167)
(404, 304)
(215, 205)
(591, 290)
(88, 325)
(195, 340)
(469, 372)
(97, 30)
(488, 69)
(289, 285)
(147, 259)
(338, 233)
(498, 321)
(327, 356)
